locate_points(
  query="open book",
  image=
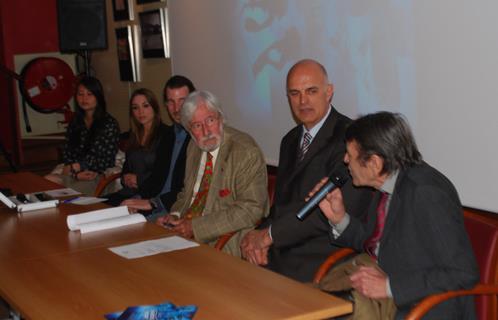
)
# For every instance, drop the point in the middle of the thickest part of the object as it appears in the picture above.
(103, 219)
(28, 201)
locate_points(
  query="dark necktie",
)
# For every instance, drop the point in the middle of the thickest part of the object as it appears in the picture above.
(305, 145)
(371, 243)
(199, 202)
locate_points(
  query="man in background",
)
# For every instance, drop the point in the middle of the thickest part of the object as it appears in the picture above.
(225, 186)
(313, 149)
(159, 191)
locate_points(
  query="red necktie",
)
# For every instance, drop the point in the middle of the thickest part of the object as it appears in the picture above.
(371, 243)
(199, 202)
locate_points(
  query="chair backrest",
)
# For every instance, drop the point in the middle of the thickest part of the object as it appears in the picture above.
(483, 234)
(111, 175)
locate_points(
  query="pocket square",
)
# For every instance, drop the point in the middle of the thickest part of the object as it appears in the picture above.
(224, 192)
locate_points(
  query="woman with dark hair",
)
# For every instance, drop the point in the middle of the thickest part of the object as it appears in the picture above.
(146, 131)
(92, 139)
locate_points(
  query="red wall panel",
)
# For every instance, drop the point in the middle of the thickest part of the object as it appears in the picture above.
(26, 26)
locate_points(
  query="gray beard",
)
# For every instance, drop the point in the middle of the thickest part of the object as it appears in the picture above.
(211, 147)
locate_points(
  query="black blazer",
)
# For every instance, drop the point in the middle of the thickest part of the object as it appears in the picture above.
(424, 248)
(154, 184)
(299, 247)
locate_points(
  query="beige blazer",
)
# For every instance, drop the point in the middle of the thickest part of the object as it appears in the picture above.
(238, 194)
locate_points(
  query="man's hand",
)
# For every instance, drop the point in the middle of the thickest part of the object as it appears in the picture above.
(183, 227)
(137, 204)
(130, 180)
(165, 221)
(255, 246)
(332, 205)
(370, 282)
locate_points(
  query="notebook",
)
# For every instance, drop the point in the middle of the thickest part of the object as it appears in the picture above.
(28, 201)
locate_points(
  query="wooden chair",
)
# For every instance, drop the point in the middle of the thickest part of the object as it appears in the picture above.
(483, 234)
(104, 182)
(222, 240)
(331, 261)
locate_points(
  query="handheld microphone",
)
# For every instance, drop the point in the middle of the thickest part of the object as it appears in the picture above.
(336, 180)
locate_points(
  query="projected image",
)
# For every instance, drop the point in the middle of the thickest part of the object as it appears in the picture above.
(340, 34)
(367, 48)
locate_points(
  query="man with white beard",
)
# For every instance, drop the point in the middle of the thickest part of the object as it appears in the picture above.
(225, 187)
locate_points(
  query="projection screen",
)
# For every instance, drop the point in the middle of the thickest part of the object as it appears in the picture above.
(436, 62)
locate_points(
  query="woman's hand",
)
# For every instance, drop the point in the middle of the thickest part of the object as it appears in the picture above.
(86, 175)
(76, 166)
(71, 169)
(130, 180)
(66, 170)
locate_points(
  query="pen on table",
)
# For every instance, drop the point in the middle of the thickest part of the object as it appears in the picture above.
(70, 200)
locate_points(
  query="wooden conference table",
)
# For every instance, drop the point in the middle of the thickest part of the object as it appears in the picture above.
(49, 272)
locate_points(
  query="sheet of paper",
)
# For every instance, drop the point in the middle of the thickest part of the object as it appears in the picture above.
(152, 247)
(59, 193)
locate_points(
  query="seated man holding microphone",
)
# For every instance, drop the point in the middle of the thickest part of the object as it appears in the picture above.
(413, 241)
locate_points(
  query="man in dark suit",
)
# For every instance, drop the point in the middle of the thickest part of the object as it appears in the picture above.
(159, 191)
(417, 236)
(311, 150)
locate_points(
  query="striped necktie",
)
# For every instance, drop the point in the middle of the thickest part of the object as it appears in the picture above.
(305, 145)
(199, 202)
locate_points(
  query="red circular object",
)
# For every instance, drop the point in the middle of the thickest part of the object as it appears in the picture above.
(47, 84)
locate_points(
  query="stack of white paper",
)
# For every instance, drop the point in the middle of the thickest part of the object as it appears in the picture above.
(32, 203)
(103, 219)
(64, 192)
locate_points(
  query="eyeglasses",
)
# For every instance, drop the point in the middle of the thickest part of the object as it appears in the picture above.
(208, 122)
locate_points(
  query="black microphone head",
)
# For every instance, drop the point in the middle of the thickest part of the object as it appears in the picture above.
(339, 178)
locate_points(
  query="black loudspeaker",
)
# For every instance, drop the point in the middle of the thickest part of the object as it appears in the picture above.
(82, 25)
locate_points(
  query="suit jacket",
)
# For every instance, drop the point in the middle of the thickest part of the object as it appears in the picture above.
(299, 247)
(424, 247)
(238, 194)
(153, 185)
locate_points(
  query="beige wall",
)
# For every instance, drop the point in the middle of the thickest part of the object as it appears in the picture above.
(153, 71)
